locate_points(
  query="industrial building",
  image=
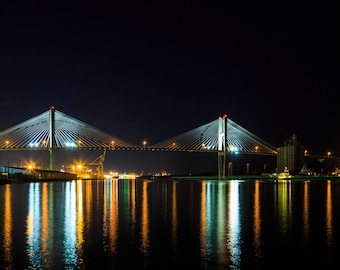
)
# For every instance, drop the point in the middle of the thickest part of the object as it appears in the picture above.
(290, 156)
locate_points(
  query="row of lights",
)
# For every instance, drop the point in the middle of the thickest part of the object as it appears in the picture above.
(328, 153)
(44, 143)
(234, 149)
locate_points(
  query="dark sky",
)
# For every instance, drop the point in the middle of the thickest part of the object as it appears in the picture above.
(154, 71)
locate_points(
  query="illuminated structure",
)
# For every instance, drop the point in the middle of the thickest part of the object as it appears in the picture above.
(223, 136)
(99, 162)
(291, 155)
(54, 130)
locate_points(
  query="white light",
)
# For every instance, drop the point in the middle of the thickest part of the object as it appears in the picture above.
(33, 144)
(70, 144)
(233, 148)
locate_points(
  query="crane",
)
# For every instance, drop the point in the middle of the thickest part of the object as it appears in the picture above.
(99, 162)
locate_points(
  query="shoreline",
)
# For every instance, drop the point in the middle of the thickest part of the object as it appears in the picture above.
(257, 177)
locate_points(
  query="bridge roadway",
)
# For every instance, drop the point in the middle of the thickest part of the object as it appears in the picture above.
(53, 130)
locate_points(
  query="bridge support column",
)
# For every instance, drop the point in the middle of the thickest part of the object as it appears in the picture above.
(52, 140)
(222, 146)
(221, 165)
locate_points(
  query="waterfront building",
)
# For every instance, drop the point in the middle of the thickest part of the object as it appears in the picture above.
(290, 156)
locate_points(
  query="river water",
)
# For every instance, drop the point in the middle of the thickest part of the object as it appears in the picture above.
(168, 224)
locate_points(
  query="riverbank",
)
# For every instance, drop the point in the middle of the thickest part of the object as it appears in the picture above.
(257, 177)
(20, 175)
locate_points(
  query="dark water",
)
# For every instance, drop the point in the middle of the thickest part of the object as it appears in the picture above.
(167, 224)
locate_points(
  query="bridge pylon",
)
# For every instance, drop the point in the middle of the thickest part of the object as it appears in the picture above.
(222, 146)
(52, 139)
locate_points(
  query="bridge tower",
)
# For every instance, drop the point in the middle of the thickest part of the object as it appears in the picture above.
(222, 145)
(52, 139)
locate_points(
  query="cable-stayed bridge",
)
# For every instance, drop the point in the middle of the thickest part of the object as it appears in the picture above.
(52, 130)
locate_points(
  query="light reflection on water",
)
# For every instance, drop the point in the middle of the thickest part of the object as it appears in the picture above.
(211, 224)
(7, 231)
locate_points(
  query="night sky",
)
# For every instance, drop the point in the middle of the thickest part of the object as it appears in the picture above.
(153, 71)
